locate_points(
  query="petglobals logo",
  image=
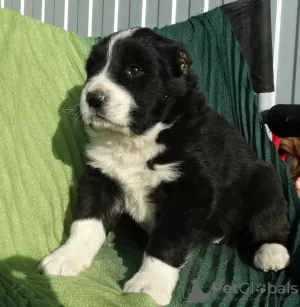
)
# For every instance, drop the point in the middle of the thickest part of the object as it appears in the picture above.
(198, 295)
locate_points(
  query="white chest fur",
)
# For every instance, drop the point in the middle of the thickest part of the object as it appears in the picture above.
(124, 158)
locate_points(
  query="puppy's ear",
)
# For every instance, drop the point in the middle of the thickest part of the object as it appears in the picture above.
(182, 60)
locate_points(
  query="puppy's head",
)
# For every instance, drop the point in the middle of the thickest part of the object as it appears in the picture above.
(133, 78)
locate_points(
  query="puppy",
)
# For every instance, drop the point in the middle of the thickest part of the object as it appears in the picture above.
(157, 152)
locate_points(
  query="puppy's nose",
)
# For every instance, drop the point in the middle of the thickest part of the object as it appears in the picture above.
(94, 99)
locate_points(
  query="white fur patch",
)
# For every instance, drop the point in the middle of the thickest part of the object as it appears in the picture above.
(119, 104)
(124, 158)
(156, 278)
(217, 241)
(116, 110)
(77, 254)
(271, 257)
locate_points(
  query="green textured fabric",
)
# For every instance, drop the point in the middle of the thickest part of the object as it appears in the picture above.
(41, 157)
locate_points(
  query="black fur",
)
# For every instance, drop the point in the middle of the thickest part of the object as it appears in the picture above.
(224, 190)
(99, 197)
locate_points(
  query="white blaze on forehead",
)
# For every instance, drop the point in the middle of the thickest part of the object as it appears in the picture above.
(119, 101)
(117, 37)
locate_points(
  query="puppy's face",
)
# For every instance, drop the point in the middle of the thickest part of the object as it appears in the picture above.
(133, 77)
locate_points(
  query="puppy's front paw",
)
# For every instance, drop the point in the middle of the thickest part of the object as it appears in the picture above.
(141, 282)
(64, 262)
(155, 278)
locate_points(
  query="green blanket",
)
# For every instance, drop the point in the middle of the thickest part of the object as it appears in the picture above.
(41, 157)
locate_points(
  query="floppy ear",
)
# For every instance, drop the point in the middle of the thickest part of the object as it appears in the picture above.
(173, 50)
(182, 60)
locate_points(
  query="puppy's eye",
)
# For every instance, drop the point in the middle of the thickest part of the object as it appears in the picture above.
(134, 70)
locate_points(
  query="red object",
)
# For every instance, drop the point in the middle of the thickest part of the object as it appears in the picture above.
(276, 141)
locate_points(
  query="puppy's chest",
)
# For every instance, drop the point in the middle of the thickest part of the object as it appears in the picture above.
(126, 162)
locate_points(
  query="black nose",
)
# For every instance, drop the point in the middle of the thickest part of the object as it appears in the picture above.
(94, 99)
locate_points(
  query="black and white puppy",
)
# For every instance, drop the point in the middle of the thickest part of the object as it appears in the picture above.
(157, 152)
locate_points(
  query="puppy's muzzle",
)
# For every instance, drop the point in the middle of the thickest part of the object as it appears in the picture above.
(95, 99)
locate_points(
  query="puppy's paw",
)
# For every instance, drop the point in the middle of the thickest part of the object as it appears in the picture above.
(156, 279)
(141, 282)
(271, 257)
(64, 262)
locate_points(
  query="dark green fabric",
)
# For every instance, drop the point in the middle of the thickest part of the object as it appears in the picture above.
(41, 156)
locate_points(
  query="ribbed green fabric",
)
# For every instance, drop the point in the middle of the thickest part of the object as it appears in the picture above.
(41, 157)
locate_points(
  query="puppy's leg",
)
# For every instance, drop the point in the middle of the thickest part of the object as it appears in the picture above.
(165, 254)
(269, 227)
(269, 233)
(181, 222)
(100, 205)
